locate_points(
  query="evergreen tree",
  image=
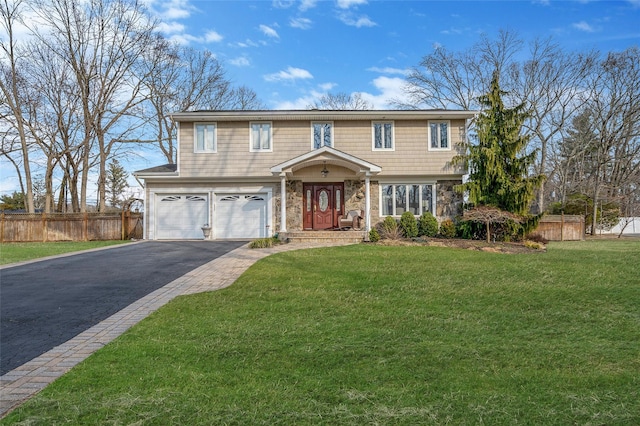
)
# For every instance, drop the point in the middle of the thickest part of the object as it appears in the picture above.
(14, 201)
(116, 183)
(498, 167)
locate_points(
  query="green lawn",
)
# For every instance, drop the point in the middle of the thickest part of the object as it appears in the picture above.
(379, 335)
(20, 252)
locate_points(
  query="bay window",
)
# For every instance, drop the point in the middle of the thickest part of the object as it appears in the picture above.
(396, 199)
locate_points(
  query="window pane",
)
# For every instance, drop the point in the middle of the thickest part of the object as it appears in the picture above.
(444, 139)
(387, 200)
(327, 134)
(338, 201)
(377, 127)
(200, 138)
(210, 135)
(434, 135)
(266, 136)
(414, 199)
(255, 136)
(387, 136)
(317, 136)
(427, 201)
(401, 199)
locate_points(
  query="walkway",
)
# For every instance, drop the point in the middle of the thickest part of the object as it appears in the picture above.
(27, 380)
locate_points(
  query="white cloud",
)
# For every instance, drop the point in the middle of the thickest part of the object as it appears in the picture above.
(170, 27)
(302, 23)
(175, 13)
(389, 88)
(346, 4)
(307, 4)
(327, 86)
(583, 26)
(268, 31)
(282, 4)
(389, 70)
(290, 74)
(240, 61)
(363, 21)
(212, 37)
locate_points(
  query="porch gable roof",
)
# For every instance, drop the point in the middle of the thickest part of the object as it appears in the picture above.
(329, 155)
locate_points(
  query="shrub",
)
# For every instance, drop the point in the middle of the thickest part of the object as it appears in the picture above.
(537, 238)
(389, 229)
(427, 225)
(374, 235)
(264, 242)
(448, 229)
(534, 245)
(408, 225)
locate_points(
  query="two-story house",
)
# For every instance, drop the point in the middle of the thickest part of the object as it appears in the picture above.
(250, 174)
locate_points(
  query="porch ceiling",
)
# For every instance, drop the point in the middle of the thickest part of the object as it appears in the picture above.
(329, 156)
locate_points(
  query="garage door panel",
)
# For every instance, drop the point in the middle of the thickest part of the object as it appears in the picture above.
(241, 216)
(181, 216)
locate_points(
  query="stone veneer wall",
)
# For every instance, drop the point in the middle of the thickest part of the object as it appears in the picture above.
(448, 201)
(294, 206)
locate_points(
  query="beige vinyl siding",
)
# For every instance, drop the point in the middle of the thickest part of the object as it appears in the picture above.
(293, 138)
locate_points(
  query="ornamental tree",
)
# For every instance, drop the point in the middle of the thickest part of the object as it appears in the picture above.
(497, 163)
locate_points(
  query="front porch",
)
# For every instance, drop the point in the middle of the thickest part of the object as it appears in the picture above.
(335, 237)
(320, 187)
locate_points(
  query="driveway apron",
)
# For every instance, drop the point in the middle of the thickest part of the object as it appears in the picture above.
(43, 304)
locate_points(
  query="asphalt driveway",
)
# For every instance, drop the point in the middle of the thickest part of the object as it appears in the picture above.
(46, 303)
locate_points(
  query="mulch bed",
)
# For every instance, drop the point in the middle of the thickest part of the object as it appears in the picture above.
(497, 247)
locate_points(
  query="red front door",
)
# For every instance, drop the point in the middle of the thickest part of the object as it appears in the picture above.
(322, 204)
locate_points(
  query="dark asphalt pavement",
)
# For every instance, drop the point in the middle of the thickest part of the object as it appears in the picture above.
(46, 303)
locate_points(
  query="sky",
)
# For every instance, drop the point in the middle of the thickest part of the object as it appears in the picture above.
(291, 52)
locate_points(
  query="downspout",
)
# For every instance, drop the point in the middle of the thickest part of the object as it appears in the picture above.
(367, 201)
(283, 202)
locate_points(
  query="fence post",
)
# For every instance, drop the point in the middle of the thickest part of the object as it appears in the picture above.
(122, 225)
(85, 226)
(2, 227)
(562, 227)
(44, 227)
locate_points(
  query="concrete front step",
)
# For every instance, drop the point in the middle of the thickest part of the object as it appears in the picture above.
(323, 236)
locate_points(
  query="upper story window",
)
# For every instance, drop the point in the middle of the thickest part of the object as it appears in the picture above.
(383, 138)
(261, 137)
(439, 135)
(205, 140)
(322, 134)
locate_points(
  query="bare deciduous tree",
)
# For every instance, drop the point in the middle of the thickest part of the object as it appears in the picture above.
(341, 101)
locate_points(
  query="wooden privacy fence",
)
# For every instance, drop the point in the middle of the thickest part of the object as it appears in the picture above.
(24, 227)
(561, 227)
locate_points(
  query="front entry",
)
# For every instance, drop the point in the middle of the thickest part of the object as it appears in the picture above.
(322, 205)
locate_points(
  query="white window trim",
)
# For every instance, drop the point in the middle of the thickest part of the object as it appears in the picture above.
(393, 135)
(434, 196)
(251, 148)
(429, 123)
(215, 138)
(333, 131)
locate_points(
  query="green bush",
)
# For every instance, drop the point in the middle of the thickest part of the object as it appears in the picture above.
(448, 229)
(427, 225)
(264, 242)
(374, 235)
(408, 225)
(389, 229)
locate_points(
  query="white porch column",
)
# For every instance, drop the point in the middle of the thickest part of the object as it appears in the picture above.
(367, 202)
(283, 202)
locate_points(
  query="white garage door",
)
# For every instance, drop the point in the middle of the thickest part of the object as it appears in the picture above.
(241, 216)
(181, 216)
